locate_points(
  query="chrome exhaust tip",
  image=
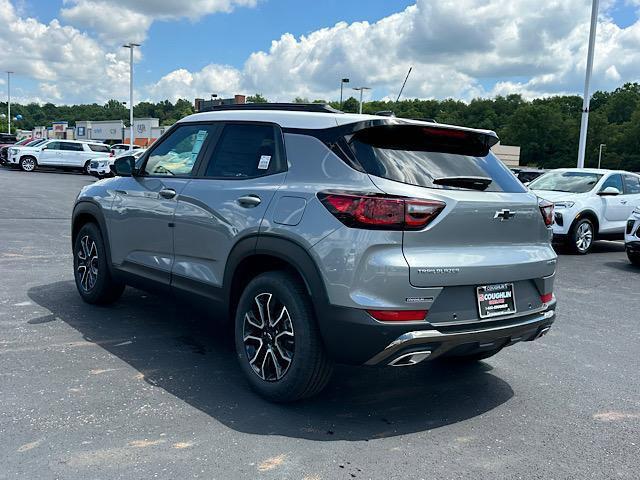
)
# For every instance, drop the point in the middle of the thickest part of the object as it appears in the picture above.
(409, 359)
(542, 332)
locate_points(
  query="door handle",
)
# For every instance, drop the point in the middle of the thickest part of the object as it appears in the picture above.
(624, 202)
(167, 193)
(249, 201)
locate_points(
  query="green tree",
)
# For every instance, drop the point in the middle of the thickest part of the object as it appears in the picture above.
(257, 98)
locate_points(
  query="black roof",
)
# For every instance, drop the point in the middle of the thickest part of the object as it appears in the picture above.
(294, 107)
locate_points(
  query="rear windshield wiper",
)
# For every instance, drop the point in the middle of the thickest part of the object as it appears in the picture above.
(473, 183)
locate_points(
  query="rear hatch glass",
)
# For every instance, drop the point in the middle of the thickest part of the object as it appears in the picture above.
(432, 157)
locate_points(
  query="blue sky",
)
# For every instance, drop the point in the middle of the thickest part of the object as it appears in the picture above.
(70, 51)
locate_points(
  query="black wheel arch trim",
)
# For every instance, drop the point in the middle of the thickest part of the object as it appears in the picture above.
(587, 213)
(286, 250)
(92, 209)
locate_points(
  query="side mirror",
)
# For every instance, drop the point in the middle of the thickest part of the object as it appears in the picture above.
(45, 148)
(124, 166)
(609, 192)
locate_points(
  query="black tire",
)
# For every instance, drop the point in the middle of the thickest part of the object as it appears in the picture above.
(28, 164)
(581, 236)
(294, 335)
(85, 169)
(93, 278)
(634, 258)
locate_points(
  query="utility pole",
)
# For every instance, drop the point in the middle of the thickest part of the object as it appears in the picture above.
(587, 83)
(361, 90)
(131, 46)
(9, 102)
(342, 82)
(600, 155)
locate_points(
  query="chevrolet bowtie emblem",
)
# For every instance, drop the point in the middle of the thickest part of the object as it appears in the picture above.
(504, 215)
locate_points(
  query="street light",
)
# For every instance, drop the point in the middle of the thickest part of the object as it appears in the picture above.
(9, 102)
(342, 82)
(600, 155)
(131, 46)
(361, 90)
(587, 81)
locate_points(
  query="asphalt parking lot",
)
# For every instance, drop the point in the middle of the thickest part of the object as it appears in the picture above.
(146, 389)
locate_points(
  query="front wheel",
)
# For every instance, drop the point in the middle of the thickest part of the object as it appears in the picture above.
(28, 164)
(93, 278)
(581, 237)
(278, 341)
(634, 258)
(87, 167)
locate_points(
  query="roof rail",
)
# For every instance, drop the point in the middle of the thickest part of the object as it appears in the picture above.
(292, 107)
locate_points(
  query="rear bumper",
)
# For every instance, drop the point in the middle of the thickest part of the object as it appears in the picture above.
(438, 343)
(351, 336)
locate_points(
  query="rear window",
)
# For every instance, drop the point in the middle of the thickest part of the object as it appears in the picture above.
(426, 156)
(99, 148)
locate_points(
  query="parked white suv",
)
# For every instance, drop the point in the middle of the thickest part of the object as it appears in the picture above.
(632, 237)
(101, 167)
(590, 204)
(58, 153)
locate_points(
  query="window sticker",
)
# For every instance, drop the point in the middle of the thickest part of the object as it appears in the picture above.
(264, 162)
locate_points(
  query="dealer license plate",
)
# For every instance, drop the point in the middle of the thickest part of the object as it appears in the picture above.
(496, 300)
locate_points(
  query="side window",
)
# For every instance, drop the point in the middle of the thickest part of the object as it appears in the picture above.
(245, 151)
(632, 185)
(72, 147)
(177, 153)
(613, 181)
(54, 146)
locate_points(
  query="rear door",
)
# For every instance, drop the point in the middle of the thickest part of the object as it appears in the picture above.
(73, 154)
(225, 202)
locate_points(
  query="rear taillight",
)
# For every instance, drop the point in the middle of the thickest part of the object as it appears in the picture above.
(379, 212)
(547, 210)
(398, 315)
(546, 298)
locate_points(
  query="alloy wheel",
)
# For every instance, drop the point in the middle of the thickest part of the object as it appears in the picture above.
(28, 164)
(87, 269)
(268, 337)
(584, 237)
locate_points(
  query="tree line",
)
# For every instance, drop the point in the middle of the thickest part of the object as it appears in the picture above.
(547, 129)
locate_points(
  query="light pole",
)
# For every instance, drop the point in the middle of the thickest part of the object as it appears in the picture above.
(600, 155)
(342, 82)
(131, 46)
(361, 90)
(9, 102)
(585, 106)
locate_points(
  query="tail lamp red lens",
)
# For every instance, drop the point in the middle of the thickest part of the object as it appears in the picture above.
(546, 298)
(547, 210)
(379, 212)
(398, 315)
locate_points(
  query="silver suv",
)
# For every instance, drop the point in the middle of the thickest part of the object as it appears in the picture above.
(326, 237)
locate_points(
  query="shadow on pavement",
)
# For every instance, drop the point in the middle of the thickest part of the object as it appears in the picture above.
(174, 348)
(599, 246)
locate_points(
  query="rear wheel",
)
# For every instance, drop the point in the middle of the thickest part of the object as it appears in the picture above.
(277, 339)
(581, 236)
(93, 278)
(28, 164)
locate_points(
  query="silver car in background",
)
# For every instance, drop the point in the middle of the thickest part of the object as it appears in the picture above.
(325, 237)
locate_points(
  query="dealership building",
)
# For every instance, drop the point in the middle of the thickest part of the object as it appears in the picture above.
(145, 131)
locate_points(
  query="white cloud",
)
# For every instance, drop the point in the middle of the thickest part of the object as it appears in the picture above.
(458, 48)
(118, 21)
